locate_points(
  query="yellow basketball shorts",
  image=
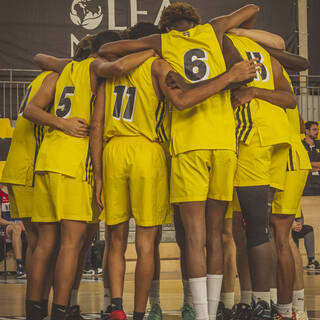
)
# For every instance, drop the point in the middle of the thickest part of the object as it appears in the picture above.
(201, 174)
(233, 206)
(21, 201)
(59, 197)
(135, 182)
(288, 201)
(261, 165)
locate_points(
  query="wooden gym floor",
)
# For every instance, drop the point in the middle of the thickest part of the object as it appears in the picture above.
(171, 293)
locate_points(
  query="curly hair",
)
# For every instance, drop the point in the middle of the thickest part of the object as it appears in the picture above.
(178, 11)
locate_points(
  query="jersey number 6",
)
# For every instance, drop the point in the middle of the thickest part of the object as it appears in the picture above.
(195, 67)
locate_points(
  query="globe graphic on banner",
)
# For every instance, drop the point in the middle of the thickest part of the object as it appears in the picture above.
(86, 13)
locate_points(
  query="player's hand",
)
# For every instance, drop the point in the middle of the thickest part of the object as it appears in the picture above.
(296, 226)
(244, 70)
(241, 96)
(76, 127)
(175, 81)
(98, 192)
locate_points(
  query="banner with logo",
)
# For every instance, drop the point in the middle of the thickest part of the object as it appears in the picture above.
(55, 27)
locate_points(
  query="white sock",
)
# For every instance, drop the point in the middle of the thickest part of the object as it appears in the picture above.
(214, 283)
(187, 292)
(285, 310)
(198, 287)
(154, 293)
(74, 297)
(106, 298)
(246, 297)
(274, 295)
(298, 300)
(228, 299)
(257, 296)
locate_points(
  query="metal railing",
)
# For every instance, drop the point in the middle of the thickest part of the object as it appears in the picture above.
(14, 82)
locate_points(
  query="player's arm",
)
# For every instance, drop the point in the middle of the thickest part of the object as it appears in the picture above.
(186, 99)
(116, 49)
(289, 60)
(244, 17)
(281, 96)
(302, 124)
(263, 37)
(109, 69)
(4, 222)
(51, 63)
(35, 111)
(96, 140)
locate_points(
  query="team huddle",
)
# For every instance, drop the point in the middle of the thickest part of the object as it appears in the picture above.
(184, 121)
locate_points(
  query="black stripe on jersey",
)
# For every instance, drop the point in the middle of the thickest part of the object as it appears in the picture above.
(239, 123)
(290, 164)
(250, 122)
(164, 133)
(244, 121)
(158, 109)
(161, 117)
(88, 166)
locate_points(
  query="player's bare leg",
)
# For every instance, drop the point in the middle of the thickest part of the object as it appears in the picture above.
(74, 308)
(145, 242)
(187, 311)
(105, 276)
(215, 213)
(285, 268)
(72, 237)
(194, 223)
(118, 237)
(42, 258)
(229, 265)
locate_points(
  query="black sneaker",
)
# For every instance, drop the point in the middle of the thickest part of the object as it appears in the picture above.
(261, 311)
(73, 313)
(21, 274)
(223, 313)
(104, 315)
(313, 265)
(241, 311)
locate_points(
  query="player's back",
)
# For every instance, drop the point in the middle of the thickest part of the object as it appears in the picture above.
(60, 152)
(25, 142)
(270, 120)
(132, 107)
(196, 55)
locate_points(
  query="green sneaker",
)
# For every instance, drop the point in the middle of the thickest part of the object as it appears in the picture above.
(155, 313)
(187, 312)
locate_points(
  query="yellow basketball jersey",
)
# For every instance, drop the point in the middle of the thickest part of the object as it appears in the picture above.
(271, 121)
(25, 143)
(298, 155)
(60, 152)
(196, 55)
(132, 107)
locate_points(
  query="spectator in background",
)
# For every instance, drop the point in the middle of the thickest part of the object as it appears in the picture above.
(301, 230)
(313, 147)
(12, 230)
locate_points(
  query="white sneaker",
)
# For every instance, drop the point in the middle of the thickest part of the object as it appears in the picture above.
(302, 315)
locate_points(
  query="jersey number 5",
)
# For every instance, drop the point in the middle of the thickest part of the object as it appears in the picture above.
(65, 105)
(120, 92)
(195, 67)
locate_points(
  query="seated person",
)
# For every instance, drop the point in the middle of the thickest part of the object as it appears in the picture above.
(301, 230)
(12, 230)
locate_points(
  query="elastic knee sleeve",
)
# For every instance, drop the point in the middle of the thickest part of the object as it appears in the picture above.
(254, 206)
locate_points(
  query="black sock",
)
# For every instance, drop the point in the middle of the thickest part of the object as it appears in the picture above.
(44, 308)
(19, 262)
(58, 312)
(116, 304)
(138, 315)
(33, 310)
(311, 259)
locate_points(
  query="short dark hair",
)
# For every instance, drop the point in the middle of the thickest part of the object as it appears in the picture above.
(102, 38)
(178, 11)
(142, 29)
(310, 123)
(84, 47)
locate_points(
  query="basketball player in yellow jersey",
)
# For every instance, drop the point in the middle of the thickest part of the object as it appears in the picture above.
(201, 179)
(286, 206)
(63, 175)
(159, 70)
(262, 131)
